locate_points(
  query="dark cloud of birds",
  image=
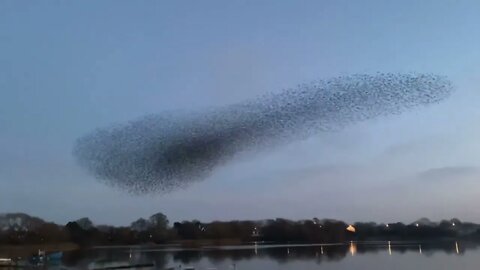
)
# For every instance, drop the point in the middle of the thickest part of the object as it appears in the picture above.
(159, 153)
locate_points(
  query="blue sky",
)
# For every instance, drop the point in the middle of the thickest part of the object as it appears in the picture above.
(69, 67)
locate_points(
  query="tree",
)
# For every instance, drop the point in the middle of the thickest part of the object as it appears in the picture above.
(85, 223)
(140, 225)
(158, 227)
(159, 221)
(189, 229)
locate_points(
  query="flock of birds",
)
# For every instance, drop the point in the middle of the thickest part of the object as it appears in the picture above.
(159, 153)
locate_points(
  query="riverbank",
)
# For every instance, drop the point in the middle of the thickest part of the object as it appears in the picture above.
(14, 251)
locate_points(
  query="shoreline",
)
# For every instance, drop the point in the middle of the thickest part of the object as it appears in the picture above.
(27, 250)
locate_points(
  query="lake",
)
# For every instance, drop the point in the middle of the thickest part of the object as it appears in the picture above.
(364, 255)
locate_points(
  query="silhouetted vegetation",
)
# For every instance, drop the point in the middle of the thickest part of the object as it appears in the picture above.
(21, 229)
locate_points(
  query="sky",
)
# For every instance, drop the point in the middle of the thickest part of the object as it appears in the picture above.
(67, 68)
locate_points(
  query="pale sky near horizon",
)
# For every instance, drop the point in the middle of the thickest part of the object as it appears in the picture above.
(67, 68)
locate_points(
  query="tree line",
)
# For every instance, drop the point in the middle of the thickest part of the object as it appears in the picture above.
(158, 230)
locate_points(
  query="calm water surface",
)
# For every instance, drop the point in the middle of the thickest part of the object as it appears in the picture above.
(373, 255)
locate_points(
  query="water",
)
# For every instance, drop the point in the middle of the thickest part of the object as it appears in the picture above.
(372, 255)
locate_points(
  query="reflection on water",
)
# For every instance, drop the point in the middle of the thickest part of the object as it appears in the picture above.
(353, 248)
(257, 256)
